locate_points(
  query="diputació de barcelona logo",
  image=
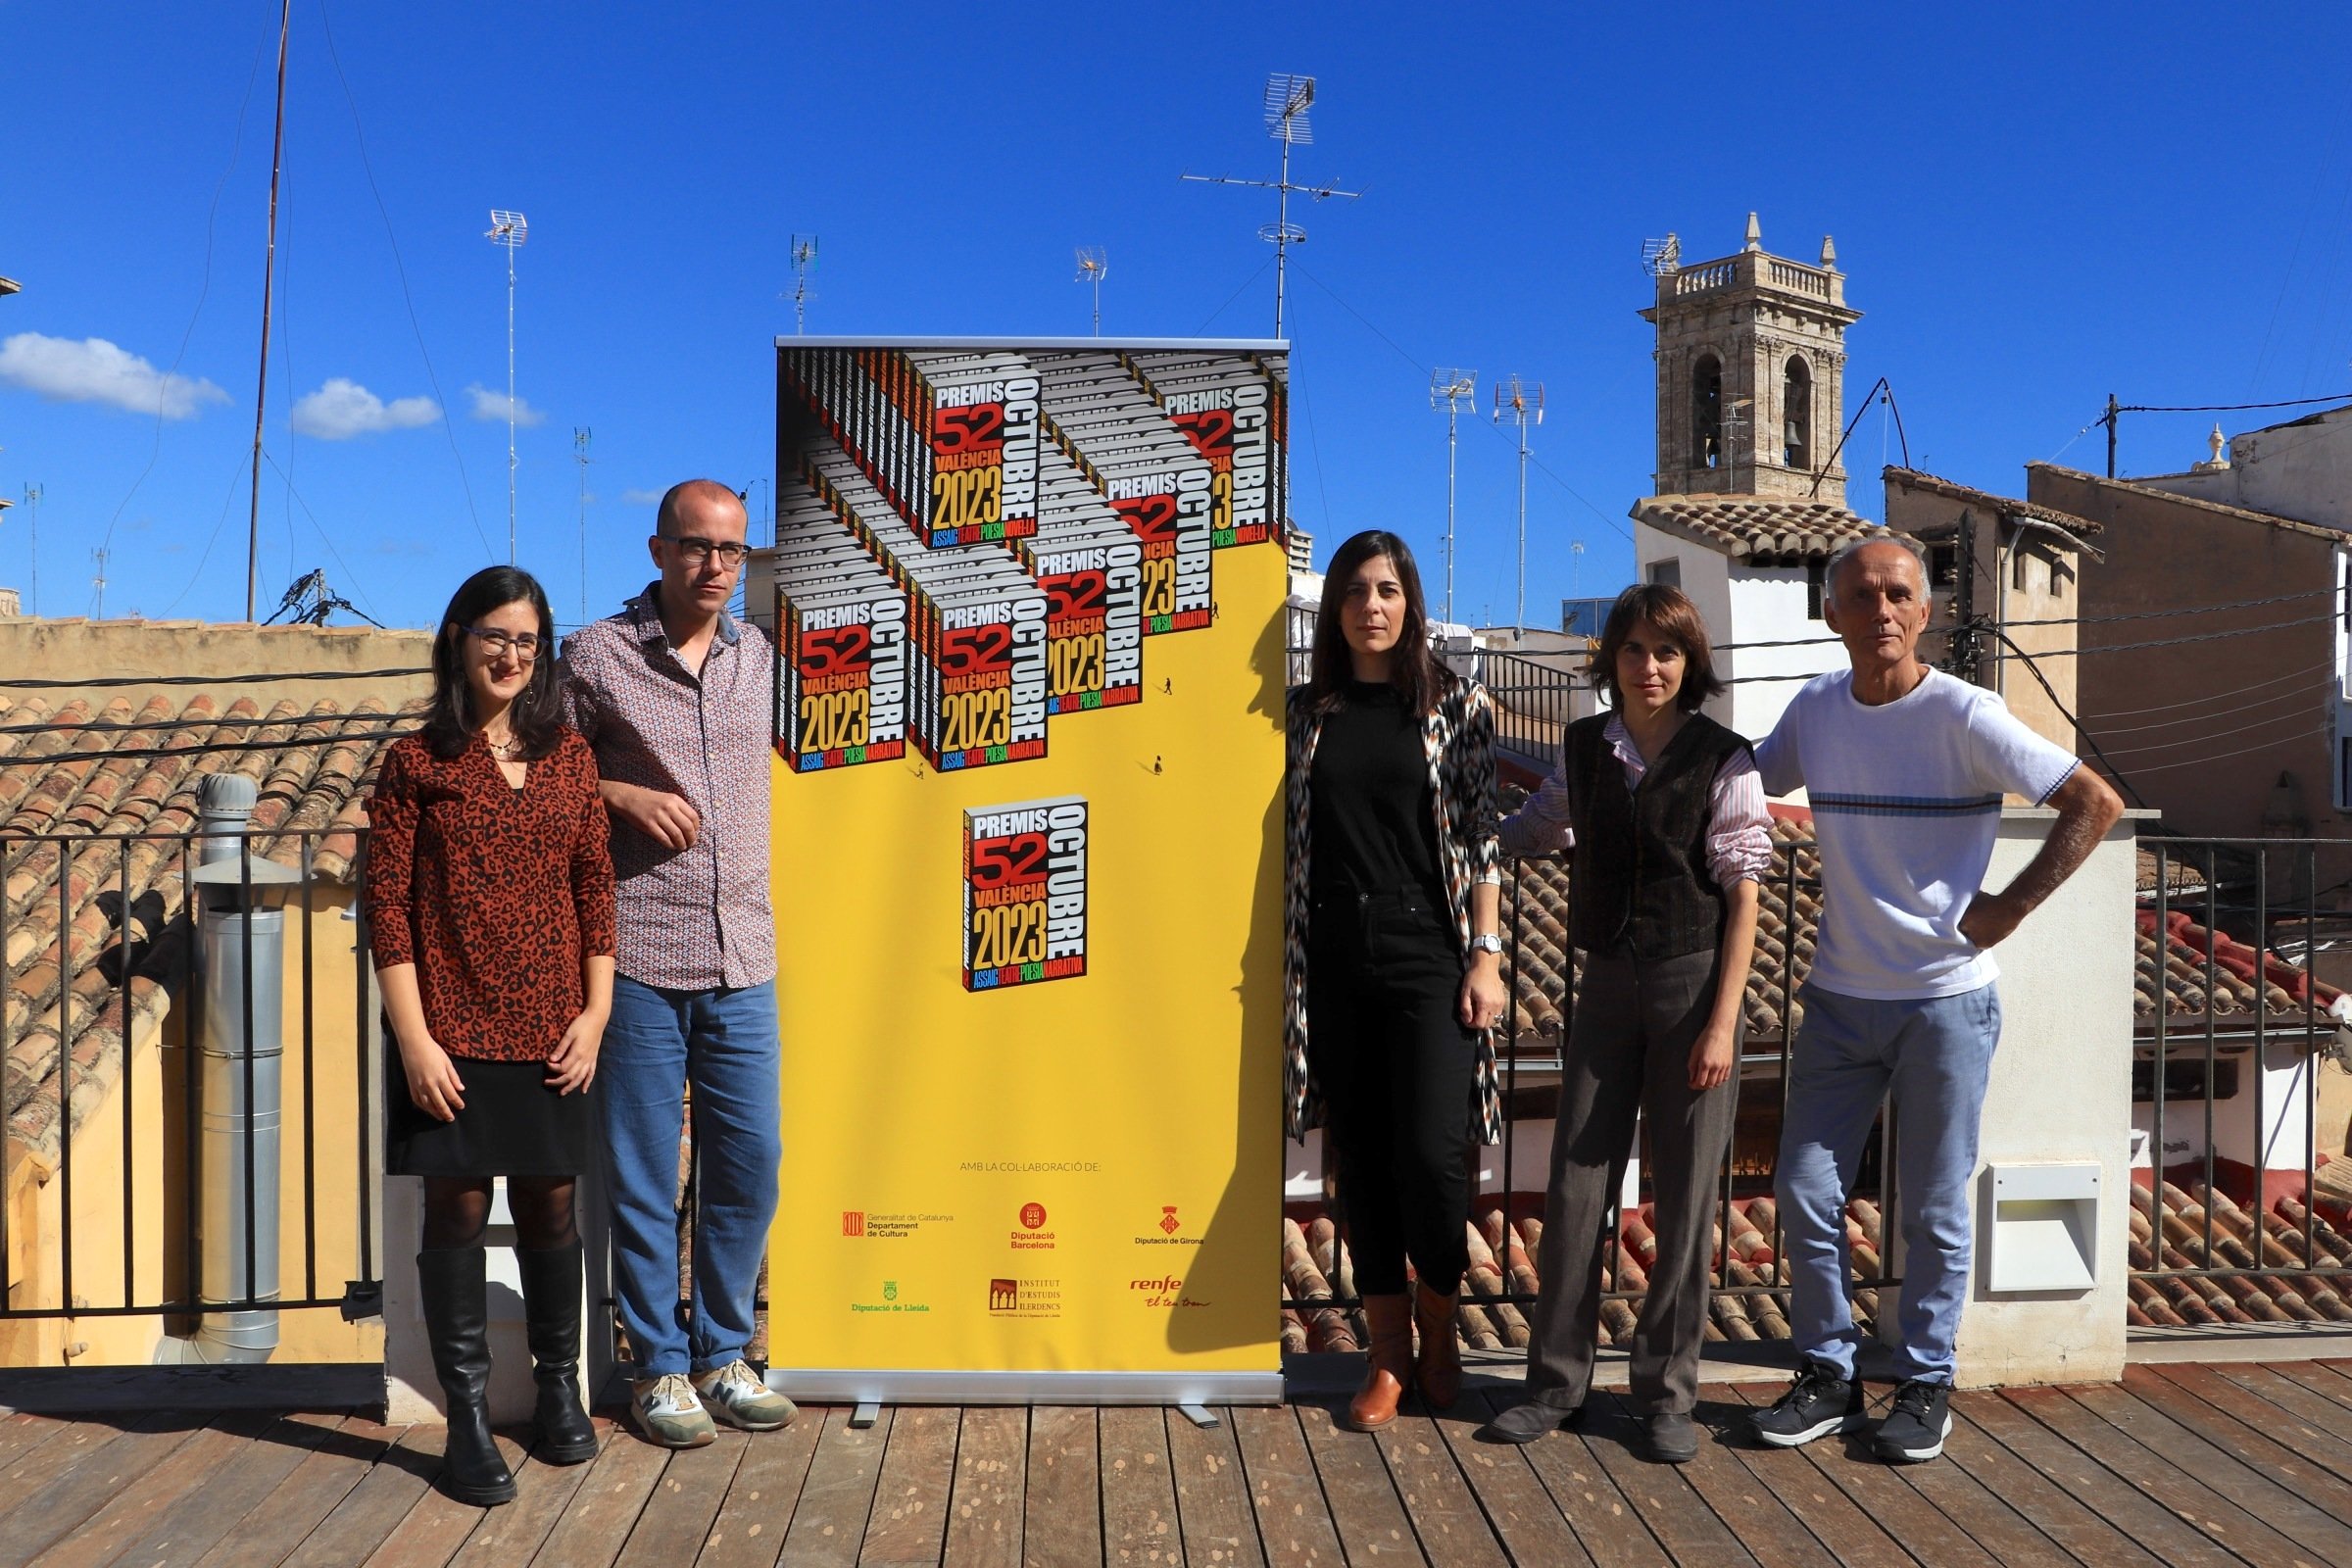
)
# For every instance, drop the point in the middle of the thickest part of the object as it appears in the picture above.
(1024, 893)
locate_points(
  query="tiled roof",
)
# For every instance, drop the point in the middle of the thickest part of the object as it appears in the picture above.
(1784, 954)
(1761, 531)
(2304, 1286)
(132, 768)
(2003, 506)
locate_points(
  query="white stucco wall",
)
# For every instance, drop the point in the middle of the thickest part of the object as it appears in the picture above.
(2060, 1094)
(2300, 471)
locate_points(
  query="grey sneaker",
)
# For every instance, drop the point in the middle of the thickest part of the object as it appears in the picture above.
(665, 1411)
(737, 1396)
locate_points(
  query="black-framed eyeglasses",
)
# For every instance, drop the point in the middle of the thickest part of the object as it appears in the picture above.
(496, 643)
(729, 553)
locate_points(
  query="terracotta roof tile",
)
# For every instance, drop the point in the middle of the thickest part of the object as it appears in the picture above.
(1760, 530)
(132, 768)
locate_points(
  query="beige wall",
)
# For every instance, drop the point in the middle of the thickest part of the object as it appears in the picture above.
(74, 648)
(152, 1160)
(2203, 730)
(2021, 575)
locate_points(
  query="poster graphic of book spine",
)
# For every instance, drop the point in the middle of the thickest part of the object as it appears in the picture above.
(1152, 477)
(976, 625)
(1091, 567)
(1233, 410)
(841, 646)
(1024, 893)
(948, 440)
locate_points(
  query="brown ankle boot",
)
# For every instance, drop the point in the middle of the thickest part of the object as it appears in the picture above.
(1438, 1366)
(1391, 1320)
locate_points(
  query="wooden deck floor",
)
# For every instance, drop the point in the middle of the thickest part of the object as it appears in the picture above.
(2181, 1464)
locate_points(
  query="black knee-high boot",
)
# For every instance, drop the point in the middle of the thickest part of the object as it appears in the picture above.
(457, 1321)
(550, 1299)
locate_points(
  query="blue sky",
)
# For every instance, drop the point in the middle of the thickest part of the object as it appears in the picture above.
(2033, 206)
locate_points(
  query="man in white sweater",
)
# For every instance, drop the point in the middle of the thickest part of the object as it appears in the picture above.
(1906, 769)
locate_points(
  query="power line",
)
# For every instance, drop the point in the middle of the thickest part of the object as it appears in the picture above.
(2089, 739)
(2223, 408)
(400, 269)
(135, 753)
(2216, 734)
(2320, 728)
(134, 726)
(2235, 691)
(2092, 620)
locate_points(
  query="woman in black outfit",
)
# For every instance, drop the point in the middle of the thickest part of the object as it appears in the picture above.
(1392, 959)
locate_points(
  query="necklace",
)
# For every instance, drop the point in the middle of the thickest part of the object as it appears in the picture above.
(505, 749)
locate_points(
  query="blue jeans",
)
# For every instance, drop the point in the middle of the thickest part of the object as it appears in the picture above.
(724, 1043)
(1935, 1055)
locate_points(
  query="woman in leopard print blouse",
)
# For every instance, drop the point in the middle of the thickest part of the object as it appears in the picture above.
(490, 907)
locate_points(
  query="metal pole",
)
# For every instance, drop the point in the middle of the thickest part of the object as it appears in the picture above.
(278, 156)
(2109, 421)
(1519, 615)
(1282, 228)
(510, 405)
(1452, 424)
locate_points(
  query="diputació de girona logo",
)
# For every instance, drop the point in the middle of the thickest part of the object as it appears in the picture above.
(1024, 893)
(1169, 1224)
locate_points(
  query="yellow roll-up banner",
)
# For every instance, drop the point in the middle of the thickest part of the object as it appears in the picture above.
(1028, 855)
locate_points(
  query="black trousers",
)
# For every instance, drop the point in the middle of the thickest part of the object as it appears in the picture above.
(1629, 1052)
(1396, 1070)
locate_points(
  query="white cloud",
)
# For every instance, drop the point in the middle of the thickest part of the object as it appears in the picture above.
(641, 498)
(343, 409)
(492, 406)
(94, 370)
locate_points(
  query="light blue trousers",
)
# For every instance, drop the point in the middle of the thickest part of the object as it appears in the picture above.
(1936, 1055)
(724, 1044)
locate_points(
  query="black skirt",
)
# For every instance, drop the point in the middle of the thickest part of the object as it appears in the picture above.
(513, 1124)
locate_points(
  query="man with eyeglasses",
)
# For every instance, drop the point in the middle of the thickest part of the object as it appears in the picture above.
(675, 694)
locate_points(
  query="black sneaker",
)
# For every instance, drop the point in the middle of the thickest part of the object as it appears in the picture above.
(1915, 1428)
(1818, 1404)
(1670, 1439)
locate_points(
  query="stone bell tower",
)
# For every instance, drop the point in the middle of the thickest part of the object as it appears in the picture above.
(1751, 371)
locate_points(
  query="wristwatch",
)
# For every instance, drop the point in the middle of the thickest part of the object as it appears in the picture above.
(1487, 942)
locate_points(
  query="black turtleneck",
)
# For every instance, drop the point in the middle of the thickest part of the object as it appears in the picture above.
(1373, 822)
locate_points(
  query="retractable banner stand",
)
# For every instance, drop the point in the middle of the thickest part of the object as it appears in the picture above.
(1028, 856)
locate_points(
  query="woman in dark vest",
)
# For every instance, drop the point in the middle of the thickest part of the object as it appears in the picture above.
(1664, 813)
(1392, 952)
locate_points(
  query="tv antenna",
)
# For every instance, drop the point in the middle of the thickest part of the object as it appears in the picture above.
(1662, 258)
(507, 231)
(1575, 568)
(1093, 268)
(1517, 403)
(803, 262)
(1453, 390)
(1288, 97)
(98, 582)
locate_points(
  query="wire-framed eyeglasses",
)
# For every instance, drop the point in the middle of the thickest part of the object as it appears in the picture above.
(729, 553)
(497, 643)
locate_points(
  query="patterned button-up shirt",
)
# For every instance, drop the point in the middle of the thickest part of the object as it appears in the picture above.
(691, 919)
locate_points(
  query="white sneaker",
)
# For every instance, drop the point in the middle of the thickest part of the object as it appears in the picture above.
(737, 1396)
(665, 1411)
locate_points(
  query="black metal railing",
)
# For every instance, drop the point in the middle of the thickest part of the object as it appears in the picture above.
(123, 964)
(1744, 1272)
(2232, 1233)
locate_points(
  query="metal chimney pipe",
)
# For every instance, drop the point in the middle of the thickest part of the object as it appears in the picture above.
(240, 1030)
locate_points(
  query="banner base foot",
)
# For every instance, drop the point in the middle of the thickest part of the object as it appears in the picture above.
(1198, 1415)
(866, 1415)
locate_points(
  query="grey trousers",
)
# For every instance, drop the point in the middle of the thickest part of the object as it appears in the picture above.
(1630, 1048)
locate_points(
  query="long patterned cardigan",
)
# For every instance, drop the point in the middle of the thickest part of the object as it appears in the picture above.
(1458, 739)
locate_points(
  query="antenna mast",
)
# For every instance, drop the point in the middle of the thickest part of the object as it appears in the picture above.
(33, 520)
(1288, 97)
(1453, 391)
(1517, 403)
(260, 389)
(508, 232)
(1093, 268)
(579, 455)
(803, 262)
